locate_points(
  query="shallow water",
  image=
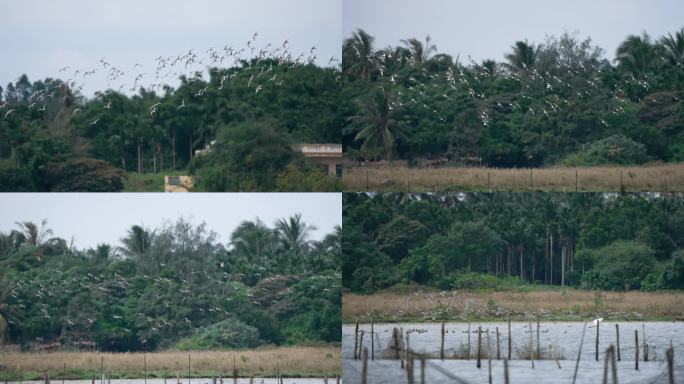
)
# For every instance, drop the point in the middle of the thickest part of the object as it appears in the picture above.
(464, 371)
(193, 381)
(561, 339)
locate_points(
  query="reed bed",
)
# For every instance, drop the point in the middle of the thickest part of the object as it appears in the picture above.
(396, 177)
(556, 304)
(304, 361)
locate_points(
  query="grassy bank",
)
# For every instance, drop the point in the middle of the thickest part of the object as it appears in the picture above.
(550, 303)
(148, 182)
(396, 177)
(292, 362)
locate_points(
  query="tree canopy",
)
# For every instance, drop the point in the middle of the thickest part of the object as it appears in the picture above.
(174, 286)
(544, 102)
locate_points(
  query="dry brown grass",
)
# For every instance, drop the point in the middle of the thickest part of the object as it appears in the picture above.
(570, 303)
(305, 361)
(397, 177)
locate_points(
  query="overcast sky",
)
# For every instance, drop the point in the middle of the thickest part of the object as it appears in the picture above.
(93, 218)
(41, 36)
(488, 28)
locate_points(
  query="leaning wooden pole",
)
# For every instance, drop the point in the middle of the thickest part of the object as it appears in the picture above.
(498, 345)
(364, 367)
(597, 339)
(579, 353)
(356, 339)
(479, 347)
(636, 350)
(372, 336)
(669, 355)
(617, 341)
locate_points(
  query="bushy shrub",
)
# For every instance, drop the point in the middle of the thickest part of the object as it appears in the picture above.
(480, 281)
(621, 265)
(84, 175)
(616, 149)
(225, 334)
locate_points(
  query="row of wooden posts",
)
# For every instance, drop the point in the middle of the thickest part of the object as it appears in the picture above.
(359, 336)
(215, 380)
(383, 183)
(610, 362)
(404, 353)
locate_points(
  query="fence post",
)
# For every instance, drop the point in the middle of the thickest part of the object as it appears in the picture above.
(498, 346)
(510, 344)
(636, 350)
(356, 339)
(669, 355)
(372, 340)
(441, 347)
(538, 344)
(597, 339)
(506, 381)
(479, 346)
(364, 367)
(643, 336)
(617, 339)
(422, 369)
(468, 357)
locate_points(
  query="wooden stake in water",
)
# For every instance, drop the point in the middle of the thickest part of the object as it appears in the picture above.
(468, 357)
(489, 358)
(643, 329)
(479, 346)
(441, 347)
(579, 353)
(506, 381)
(356, 339)
(145, 363)
(364, 367)
(531, 345)
(188, 368)
(372, 340)
(669, 356)
(636, 350)
(597, 339)
(422, 369)
(102, 369)
(361, 340)
(538, 344)
(617, 341)
(498, 346)
(510, 344)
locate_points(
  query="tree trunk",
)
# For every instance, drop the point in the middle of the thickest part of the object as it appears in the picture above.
(551, 262)
(546, 256)
(521, 262)
(508, 266)
(173, 151)
(139, 158)
(563, 251)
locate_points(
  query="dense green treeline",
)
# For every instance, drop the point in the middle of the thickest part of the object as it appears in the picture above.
(47, 129)
(557, 102)
(461, 241)
(173, 286)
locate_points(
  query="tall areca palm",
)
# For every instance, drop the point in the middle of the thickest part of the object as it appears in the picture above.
(523, 57)
(378, 126)
(637, 54)
(674, 47)
(252, 239)
(35, 234)
(293, 234)
(358, 57)
(420, 52)
(137, 241)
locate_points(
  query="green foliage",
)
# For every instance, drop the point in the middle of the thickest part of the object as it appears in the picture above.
(546, 102)
(301, 104)
(172, 286)
(613, 150)
(503, 240)
(227, 334)
(478, 281)
(84, 175)
(621, 265)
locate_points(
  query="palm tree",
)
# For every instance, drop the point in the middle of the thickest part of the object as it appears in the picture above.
(293, 235)
(378, 125)
(137, 241)
(357, 55)
(420, 52)
(636, 55)
(523, 57)
(34, 234)
(252, 239)
(674, 47)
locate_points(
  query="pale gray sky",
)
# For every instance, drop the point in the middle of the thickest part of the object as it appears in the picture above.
(41, 36)
(93, 218)
(488, 28)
